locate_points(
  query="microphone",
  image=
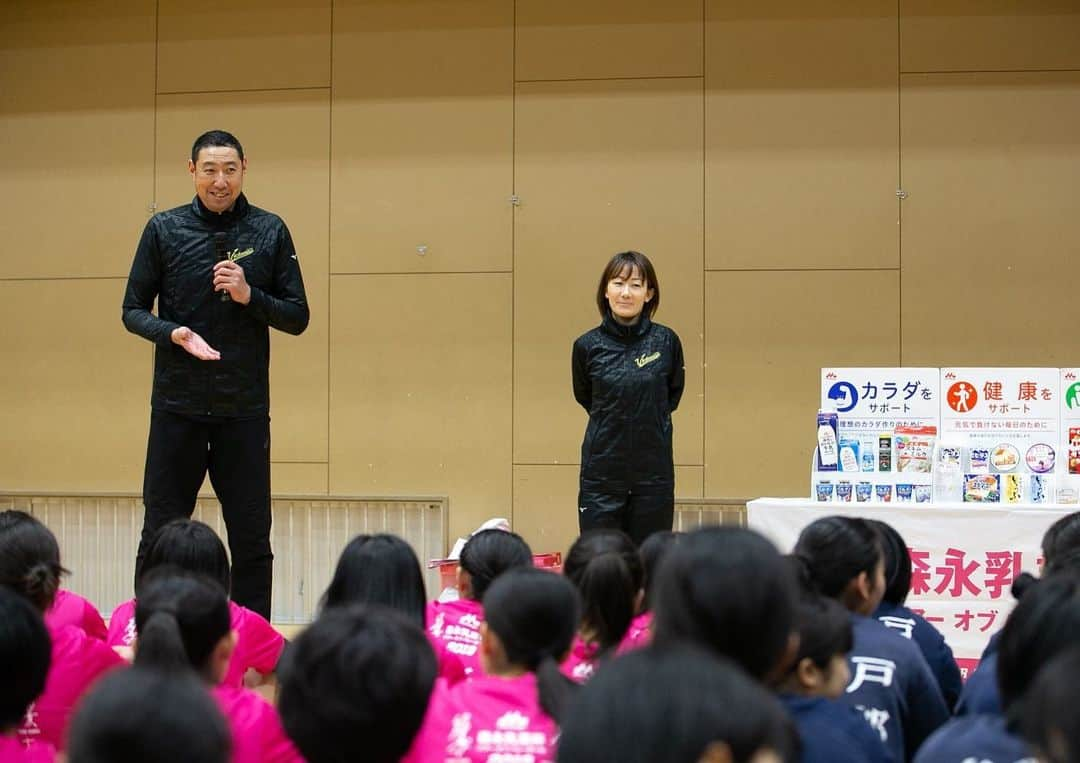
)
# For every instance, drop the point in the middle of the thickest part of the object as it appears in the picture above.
(221, 251)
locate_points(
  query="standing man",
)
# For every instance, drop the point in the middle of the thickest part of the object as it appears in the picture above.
(222, 271)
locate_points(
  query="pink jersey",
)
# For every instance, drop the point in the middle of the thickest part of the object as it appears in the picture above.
(638, 635)
(257, 734)
(581, 663)
(14, 750)
(71, 609)
(258, 645)
(486, 718)
(77, 662)
(454, 630)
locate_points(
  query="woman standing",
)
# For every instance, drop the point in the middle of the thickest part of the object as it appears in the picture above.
(628, 374)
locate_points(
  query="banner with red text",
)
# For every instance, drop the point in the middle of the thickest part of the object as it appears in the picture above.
(964, 557)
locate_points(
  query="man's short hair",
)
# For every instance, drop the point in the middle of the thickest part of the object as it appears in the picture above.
(215, 138)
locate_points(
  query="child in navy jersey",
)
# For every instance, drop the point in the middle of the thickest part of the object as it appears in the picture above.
(605, 567)
(729, 591)
(893, 614)
(890, 681)
(1061, 552)
(454, 626)
(831, 732)
(1045, 623)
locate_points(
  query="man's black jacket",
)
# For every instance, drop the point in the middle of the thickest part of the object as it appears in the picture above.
(174, 264)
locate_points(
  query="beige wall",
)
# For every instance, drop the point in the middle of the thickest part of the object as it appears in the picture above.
(753, 150)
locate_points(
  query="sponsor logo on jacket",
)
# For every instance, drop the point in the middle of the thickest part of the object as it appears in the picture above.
(645, 360)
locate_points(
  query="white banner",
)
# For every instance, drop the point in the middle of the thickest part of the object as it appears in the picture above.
(964, 558)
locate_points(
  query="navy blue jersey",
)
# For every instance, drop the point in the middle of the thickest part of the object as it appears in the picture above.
(981, 738)
(981, 695)
(832, 732)
(931, 643)
(893, 686)
(991, 646)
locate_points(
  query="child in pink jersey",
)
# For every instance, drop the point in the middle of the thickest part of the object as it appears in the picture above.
(149, 716)
(30, 567)
(454, 626)
(512, 710)
(355, 685)
(183, 625)
(24, 662)
(193, 546)
(606, 569)
(71, 609)
(652, 551)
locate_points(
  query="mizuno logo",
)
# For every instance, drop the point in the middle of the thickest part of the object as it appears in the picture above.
(645, 360)
(236, 254)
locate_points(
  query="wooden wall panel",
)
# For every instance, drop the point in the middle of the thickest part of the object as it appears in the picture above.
(545, 499)
(989, 35)
(298, 479)
(569, 39)
(766, 342)
(601, 167)
(991, 224)
(423, 136)
(801, 135)
(242, 45)
(286, 141)
(77, 170)
(420, 390)
(76, 388)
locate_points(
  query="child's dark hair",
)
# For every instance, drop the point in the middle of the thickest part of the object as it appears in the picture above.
(189, 545)
(535, 615)
(1061, 537)
(29, 558)
(1044, 623)
(606, 568)
(653, 549)
(838, 549)
(729, 590)
(671, 705)
(180, 618)
(489, 553)
(897, 562)
(25, 653)
(355, 685)
(1048, 720)
(1065, 560)
(145, 716)
(823, 625)
(379, 569)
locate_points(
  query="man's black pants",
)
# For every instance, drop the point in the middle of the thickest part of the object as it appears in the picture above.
(236, 452)
(639, 516)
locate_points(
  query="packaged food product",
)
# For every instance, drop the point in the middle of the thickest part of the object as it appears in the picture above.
(905, 492)
(982, 488)
(883, 493)
(1004, 457)
(824, 491)
(843, 491)
(914, 449)
(864, 491)
(1010, 487)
